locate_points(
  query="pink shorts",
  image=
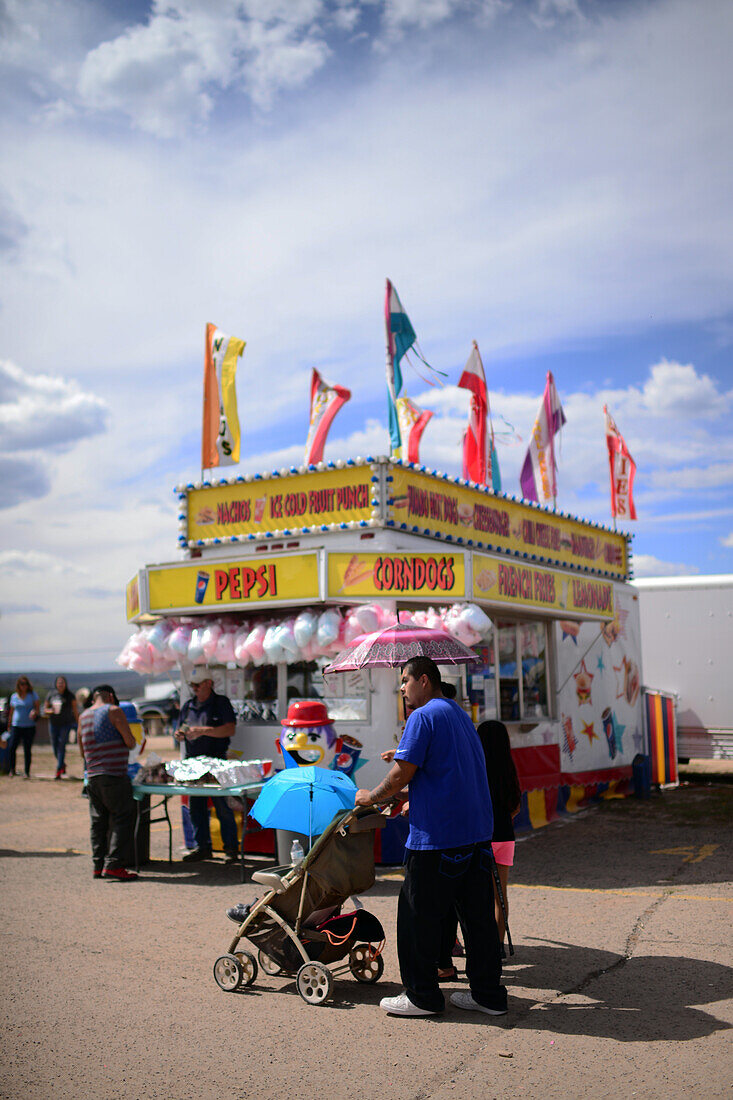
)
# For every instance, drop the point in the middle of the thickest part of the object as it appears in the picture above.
(503, 852)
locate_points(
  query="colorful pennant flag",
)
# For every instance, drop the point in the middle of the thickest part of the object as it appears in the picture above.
(400, 338)
(538, 477)
(623, 471)
(326, 400)
(412, 422)
(220, 435)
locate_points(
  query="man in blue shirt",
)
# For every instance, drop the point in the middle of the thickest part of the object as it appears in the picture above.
(448, 850)
(206, 725)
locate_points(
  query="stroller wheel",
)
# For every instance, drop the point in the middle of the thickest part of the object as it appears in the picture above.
(228, 973)
(268, 964)
(364, 965)
(248, 963)
(315, 983)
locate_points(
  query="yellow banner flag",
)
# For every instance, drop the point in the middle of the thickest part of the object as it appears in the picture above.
(220, 435)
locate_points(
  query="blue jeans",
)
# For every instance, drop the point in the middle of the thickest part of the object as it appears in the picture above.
(59, 740)
(25, 734)
(198, 809)
(435, 883)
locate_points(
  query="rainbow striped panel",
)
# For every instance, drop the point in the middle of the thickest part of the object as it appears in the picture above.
(662, 729)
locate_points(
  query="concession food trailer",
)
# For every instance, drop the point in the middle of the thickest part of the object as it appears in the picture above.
(281, 571)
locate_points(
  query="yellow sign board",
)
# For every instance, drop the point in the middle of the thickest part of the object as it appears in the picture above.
(497, 581)
(280, 503)
(231, 585)
(422, 502)
(431, 576)
(133, 598)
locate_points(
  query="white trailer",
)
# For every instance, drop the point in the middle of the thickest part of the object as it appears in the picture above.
(687, 650)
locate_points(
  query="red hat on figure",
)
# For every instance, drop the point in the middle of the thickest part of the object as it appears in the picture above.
(306, 712)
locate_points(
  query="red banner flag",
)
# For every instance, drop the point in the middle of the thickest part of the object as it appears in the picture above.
(412, 420)
(475, 452)
(326, 400)
(623, 469)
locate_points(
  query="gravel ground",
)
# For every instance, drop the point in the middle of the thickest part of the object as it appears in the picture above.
(620, 986)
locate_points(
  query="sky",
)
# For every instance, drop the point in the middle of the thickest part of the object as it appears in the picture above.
(551, 178)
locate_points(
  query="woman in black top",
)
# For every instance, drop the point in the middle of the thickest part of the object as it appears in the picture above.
(506, 795)
(63, 714)
(505, 799)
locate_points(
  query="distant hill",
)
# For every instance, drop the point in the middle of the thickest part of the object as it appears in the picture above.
(128, 685)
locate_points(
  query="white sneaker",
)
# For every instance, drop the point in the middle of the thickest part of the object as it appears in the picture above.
(401, 1005)
(462, 999)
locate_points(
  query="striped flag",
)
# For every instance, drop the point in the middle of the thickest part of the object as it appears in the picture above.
(412, 422)
(220, 435)
(538, 477)
(623, 471)
(326, 400)
(400, 338)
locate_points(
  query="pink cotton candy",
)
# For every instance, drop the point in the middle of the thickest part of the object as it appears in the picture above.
(241, 654)
(209, 638)
(352, 629)
(224, 653)
(255, 638)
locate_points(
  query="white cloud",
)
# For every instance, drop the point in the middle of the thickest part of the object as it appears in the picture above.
(40, 411)
(678, 390)
(717, 474)
(22, 479)
(41, 416)
(20, 563)
(727, 541)
(164, 73)
(646, 565)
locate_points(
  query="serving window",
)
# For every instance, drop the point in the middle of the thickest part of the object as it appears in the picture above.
(345, 694)
(512, 682)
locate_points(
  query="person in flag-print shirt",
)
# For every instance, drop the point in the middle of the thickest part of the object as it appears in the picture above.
(105, 740)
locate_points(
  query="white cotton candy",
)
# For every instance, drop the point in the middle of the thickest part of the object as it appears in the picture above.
(286, 640)
(328, 628)
(433, 620)
(274, 653)
(159, 634)
(196, 647)
(179, 641)
(476, 619)
(459, 628)
(209, 637)
(420, 618)
(305, 627)
(369, 616)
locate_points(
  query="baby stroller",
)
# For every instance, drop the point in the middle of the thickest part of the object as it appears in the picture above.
(298, 927)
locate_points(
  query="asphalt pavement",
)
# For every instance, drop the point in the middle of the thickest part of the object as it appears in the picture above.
(621, 984)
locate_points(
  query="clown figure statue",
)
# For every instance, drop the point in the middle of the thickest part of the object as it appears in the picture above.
(308, 739)
(308, 735)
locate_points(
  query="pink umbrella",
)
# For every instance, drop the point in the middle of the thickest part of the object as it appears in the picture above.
(393, 646)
